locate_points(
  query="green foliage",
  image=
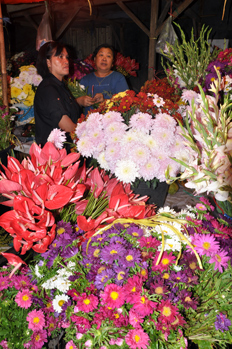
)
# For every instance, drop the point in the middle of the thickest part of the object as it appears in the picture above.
(189, 60)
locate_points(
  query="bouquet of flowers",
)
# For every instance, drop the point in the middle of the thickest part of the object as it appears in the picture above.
(23, 87)
(208, 138)
(78, 69)
(133, 136)
(150, 283)
(20, 59)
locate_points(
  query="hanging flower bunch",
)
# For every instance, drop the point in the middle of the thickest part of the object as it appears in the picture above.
(23, 87)
(137, 283)
(133, 145)
(208, 138)
(51, 184)
(124, 65)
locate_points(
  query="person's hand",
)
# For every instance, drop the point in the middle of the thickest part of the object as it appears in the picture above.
(98, 98)
(85, 101)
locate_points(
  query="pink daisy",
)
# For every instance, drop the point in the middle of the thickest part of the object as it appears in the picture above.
(38, 339)
(135, 319)
(137, 339)
(149, 242)
(143, 306)
(4, 282)
(165, 262)
(220, 259)
(70, 345)
(36, 320)
(87, 303)
(206, 245)
(168, 311)
(21, 281)
(23, 299)
(133, 288)
(113, 296)
(201, 207)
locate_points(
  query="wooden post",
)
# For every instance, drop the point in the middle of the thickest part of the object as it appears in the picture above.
(3, 61)
(152, 38)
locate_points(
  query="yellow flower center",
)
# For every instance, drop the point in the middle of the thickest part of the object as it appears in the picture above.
(212, 79)
(187, 299)
(100, 270)
(135, 234)
(60, 303)
(129, 258)
(49, 305)
(206, 245)
(219, 258)
(137, 338)
(36, 320)
(114, 295)
(116, 316)
(133, 289)
(86, 301)
(96, 252)
(37, 338)
(192, 265)
(143, 272)
(166, 311)
(166, 276)
(103, 278)
(113, 251)
(159, 290)
(120, 277)
(25, 298)
(143, 300)
(60, 231)
(165, 261)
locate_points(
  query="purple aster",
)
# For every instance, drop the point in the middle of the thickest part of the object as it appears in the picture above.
(38, 301)
(121, 274)
(187, 300)
(100, 238)
(112, 252)
(96, 269)
(222, 323)
(102, 278)
(86, 262)
(178, 277)
(210, 79)
(69, 252)
(130, 257)
(63, 227)
(118, 240)
(158, 287)
(135, 231)
(220, 66)
(93, 253)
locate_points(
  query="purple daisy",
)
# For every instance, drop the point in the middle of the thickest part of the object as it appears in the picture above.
(118, 240)
(112, 252)
(130, 257)
(102, 278)
(222, 323)
(121, 274)
(187, 300)
(178, 277)
(135, 231)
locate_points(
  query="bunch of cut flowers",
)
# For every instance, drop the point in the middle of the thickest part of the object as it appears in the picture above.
(51, 185)
(133, 136)
(6, 126)
(207, 134)
(23, 86)
(150, 283)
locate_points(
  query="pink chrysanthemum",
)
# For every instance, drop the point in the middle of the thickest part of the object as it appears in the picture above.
(206, 245)
(165, 262)
(85, 146)
(168, 311)
(137, 339)
(96, 135)
(220, 258)
(133, 288)
(164, 120)
(87, 303)
(115, 127)
(21, 281)
(189, 95)
(140, 154)
(135, 319)
(23, 299)
(80, 129)
(164, 136)
(150, 169)
(36, 320)
(112, 116)
(38, 339)
(57, 137)
(4, 282)
(143, 306)
(70, 345)
(113, 296)
(141, 121)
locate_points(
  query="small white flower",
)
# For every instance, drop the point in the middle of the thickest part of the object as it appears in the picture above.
(59, 301)
(126, 171)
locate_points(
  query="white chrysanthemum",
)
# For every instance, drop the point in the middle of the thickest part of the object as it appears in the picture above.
(71, 265)
(183, 213)
(166, 209)
(16, 83)
(57, 137)
(36, 79)
(59, 301)
(63, 284)
(151, 143)
(80, 129)
(85, 146)
(22, 96)
(47, 285)
(102, 161)
(126, 171)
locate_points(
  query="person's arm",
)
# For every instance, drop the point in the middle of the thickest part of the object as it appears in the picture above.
(66, 124)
